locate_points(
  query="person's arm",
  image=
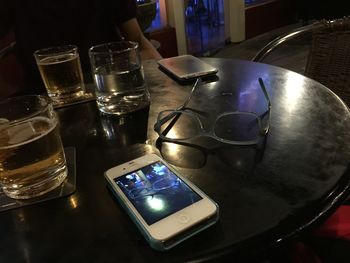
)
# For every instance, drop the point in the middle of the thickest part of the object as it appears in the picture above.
(131, 31)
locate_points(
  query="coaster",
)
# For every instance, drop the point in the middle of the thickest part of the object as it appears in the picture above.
(66, 188)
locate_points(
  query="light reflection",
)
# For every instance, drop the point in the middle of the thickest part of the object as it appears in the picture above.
(172, 133)
(155, 203)
(20, 226)
(26, 253)
(238, 163)
(293, 91)
(173, 148)
(108, 133)
(250, 94)
(211, 85)
(73, 202)
(21, 217)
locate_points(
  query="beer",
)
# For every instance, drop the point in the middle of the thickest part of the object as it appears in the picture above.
(32, 160)
(62, 76)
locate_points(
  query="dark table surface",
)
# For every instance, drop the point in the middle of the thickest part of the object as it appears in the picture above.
(266, 194)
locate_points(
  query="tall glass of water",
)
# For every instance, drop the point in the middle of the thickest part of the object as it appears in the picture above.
(119, 77)
(32, 160)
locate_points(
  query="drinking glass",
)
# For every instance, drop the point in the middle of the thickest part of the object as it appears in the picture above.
(61, 73)
(32, 160)
(119, 77)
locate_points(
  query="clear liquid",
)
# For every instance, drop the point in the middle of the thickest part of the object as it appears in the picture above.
(32, 162)
(120, 92)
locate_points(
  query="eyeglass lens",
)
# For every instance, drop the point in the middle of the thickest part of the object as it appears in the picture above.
(233, 127)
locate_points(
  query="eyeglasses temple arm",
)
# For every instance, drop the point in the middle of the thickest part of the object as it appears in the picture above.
(262, 85)
(198, 81)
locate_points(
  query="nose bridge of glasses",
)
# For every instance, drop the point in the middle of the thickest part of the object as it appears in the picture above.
(178, 124)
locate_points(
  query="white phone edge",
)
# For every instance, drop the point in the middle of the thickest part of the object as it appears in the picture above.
(170, 231)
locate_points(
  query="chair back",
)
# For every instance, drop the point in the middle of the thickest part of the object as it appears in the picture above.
(329, 57)
(11, 73)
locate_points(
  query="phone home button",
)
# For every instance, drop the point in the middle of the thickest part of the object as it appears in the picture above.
(183, 218)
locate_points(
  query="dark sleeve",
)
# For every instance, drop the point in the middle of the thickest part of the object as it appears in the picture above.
(122, 10)
(6, 16)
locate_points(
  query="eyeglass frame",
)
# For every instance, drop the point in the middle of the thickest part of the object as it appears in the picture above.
(211, 133)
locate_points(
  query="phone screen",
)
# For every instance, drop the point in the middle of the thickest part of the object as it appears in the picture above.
(156, 192)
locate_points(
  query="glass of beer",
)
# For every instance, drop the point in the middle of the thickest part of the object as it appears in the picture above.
(119, 77)
(61, 72)
(32, 160)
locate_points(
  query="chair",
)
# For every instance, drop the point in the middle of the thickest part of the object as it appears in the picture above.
(6, 50)
(328, 58)
(147, 13)
(11, 75)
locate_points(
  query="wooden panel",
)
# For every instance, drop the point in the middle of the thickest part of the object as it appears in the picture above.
(266, 16)
(167, 39)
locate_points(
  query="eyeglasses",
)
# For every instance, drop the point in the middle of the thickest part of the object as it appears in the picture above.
(235, 127)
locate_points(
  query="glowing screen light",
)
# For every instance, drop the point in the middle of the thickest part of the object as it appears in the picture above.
(155, 203)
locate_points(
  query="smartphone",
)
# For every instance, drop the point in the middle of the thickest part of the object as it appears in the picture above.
(186, 67)
(165, 207)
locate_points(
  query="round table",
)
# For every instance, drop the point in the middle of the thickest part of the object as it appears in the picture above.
(266, 194)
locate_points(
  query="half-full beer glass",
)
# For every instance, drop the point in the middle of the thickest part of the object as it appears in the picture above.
(32, 160)
(61, 73)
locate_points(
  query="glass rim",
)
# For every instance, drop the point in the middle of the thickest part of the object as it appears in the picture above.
(56, 50)
(43, 108)
(134, 46)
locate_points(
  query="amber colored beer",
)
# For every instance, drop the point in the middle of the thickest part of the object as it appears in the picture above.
(62, 76)
(32, 162)
(61, 73)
